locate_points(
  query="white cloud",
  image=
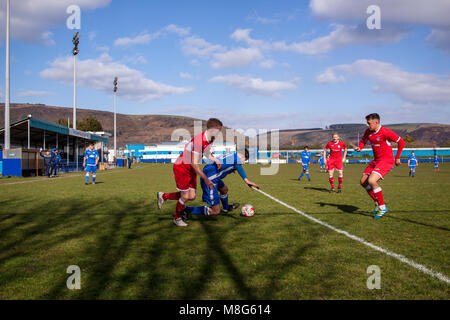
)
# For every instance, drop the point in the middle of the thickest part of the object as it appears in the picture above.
(177, 30)
(256, 86)
(136, 59)
(430, 12)
(185, 75)
(267, 64)
(195, 46)
(102, 48)
(433, 13)
(146, 37)
(236, 58)
(98, 74)
(243, 35)
(34, 93)
(440, 38)
(341, 36)
(32, 20)
(412, 87)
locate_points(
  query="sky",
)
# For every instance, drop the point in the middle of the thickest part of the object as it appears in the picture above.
(261, 64)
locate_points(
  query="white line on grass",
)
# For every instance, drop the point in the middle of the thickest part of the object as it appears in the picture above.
(397, 256)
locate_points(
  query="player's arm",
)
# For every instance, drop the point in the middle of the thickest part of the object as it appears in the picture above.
(243, 175)
(345, 154)
(96, 159)
(363, 141)
(195, 160)
(401, 144)
(84, 160)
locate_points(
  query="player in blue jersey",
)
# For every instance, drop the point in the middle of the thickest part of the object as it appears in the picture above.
(413, 163)
(218, 193)
(322, 163)
(306, 158)
(436, 163)
(90, 162)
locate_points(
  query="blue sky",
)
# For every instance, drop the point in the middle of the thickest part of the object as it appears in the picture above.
(259, 64)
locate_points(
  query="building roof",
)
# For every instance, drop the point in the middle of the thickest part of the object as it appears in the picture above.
(20, 128)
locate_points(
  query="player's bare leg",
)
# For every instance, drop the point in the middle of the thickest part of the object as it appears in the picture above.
(365, 184)
(331, 172)
(340, 178)
(373, 182)
(185, 196)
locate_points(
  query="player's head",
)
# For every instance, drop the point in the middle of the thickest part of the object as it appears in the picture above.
(91, 146)
(213, 126)
(373, 121)
(412, 153)
(335, 137)
(306, 148)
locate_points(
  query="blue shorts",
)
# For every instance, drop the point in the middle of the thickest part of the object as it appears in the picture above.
(211, 197)
(306, 167)
(412, 167)
(91, 168)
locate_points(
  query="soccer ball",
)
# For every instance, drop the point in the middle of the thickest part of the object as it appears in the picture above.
(248, 210)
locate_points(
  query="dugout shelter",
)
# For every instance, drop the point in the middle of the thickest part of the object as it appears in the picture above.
(29, 135)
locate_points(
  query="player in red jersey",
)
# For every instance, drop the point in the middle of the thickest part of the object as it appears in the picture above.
(380, 138)
(186, 169)
(336, 160)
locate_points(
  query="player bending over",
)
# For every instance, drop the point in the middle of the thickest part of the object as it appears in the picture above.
(336, 160)
(306, 158)
(436, 163)
(186, 168)
(322, 163)
(90, 162)
(383, 162)
(231, 162)
(413, 163)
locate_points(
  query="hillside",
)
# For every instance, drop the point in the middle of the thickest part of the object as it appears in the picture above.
(424, 135)
(130, 128)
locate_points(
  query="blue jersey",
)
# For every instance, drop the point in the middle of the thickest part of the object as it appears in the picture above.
(230, 163)
(322, 161)
(412, 161)
(91, 157)
(306, 157)
(436, 161)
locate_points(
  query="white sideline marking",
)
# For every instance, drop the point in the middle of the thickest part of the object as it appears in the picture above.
(397, 256)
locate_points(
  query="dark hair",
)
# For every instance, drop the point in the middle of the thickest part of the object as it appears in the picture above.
(91, 144)
(247, 154)
(213, 123)
(373, 116)
(306, 147)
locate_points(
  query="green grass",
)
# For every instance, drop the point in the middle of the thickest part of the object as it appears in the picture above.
(127, 249)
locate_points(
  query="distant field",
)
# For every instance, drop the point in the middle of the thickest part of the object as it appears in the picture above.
(127, 249)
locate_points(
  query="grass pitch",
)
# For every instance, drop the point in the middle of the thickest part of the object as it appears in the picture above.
(128, 249)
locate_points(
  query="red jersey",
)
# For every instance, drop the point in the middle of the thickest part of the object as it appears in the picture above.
(200, 144)
(336, 149)
(380, 141)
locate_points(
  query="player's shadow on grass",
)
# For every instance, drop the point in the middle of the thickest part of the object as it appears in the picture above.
(318, 189)
(416, 222)
(343, 207)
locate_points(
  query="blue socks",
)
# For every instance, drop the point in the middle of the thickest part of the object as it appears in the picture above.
(224, 201)
(308, 176)
(87, 177)
(203, 210)
(301, 176)
(93, 177)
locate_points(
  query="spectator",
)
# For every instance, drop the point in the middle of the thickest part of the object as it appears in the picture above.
(130, 161)
(47, 161)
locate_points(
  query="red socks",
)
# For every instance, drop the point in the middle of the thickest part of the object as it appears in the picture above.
(332, 182)
(379, 196)
(179, 209)
(340, 182)
(172, 196)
